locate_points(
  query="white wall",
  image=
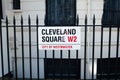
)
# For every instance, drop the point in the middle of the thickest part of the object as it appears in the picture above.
(5, 54)
(6, 11)
(32, 8)
(37, 7)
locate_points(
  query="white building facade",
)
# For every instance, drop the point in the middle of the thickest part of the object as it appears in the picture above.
(38, 7)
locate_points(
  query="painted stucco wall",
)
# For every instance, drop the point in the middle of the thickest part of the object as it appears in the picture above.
(37, 7)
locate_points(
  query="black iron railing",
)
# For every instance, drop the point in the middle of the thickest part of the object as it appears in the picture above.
(65, 71)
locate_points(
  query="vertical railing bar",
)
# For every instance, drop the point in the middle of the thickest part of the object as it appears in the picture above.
(2, 61)
(93, 49)
(117, 53)
(22, 38)
(45, 53)
(61, 64)
(29, 22)
(68, 64)
(45, 64)
(109, 52)
(37, 22)
(109, 42)
(77, 65)
(85, 47)
(53, 63)
(8, 54)
(117, 47)
(101, 52)
(15, 48)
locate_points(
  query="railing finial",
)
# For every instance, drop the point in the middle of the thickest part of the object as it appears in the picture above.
(6, 20)
(85, 19)
(14, 20)
(94, 19)
(37, 20)
(21, 19)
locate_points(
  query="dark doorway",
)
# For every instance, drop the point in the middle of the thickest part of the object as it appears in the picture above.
(62, 68)
(108, 68)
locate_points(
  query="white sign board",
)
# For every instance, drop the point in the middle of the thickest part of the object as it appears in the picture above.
(59, 38)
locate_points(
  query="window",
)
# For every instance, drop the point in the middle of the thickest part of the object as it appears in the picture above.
(16, 4)
(1, 13)
(111, 66)
(60, 12)
(57, 68)
(111, 12)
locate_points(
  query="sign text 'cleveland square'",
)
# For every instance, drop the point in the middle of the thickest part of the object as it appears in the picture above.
(59, 38)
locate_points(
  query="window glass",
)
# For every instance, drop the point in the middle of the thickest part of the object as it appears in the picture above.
(1, 14)
(60, 12)
(16, 4)
(111, 12)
